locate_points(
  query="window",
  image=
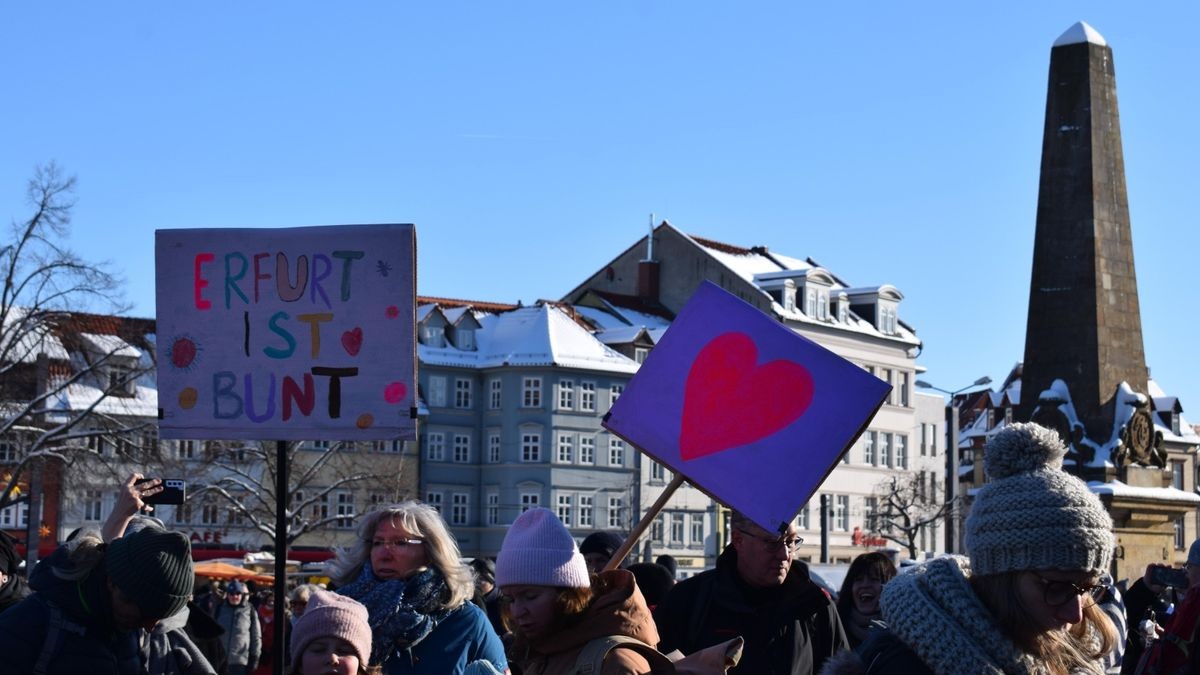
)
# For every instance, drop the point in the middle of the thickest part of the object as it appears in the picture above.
(466, 338)
(869, 440)
(885, 449)
(811, 307)
(434, 499)
(614, 392)
(587, 450)
(120, 380)
(587, 396)
(566, 395)
(344, 508)
(492, 513)
(563, 510)
(841, 513)
(886, 375)
(15, 516)
(587, 505)
(677, 529)
(566, 448)
(902, 385)
(183, 514)
(460, 505)
(901, 451)
(531, 392)
(529, 500)
(1175, 423)
(870, 506)
(8, 451)
(843, 312)
(531, 447)
(616, 452)
(658, 473)
(1008, 415)
(615, 508)
(462, 448)
(1177, 468)
(656, 529)
(493, 448)
(494, 394)
(210, 514)
(802, 519)
(234, 515)
(640, 354)
(462, 393)
(697, 529)
(822, 305)
(1180, 542)
(437, 391)
(394, 446)
(435, 446)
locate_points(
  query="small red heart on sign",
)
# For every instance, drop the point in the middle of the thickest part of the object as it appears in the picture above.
(352, 341)
(730, 401)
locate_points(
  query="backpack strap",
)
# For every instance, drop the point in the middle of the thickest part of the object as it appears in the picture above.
(591, 657)
(54, 634)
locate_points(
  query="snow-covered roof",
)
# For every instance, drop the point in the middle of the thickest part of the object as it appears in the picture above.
(110, 345)
(1119, 489)
(29, 341)
(77, 397)
(541, 335)
(1080, 32)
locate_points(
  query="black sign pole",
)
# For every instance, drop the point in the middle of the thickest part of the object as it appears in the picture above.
(281, 506)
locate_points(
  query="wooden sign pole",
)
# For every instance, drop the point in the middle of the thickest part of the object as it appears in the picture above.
(644, 523)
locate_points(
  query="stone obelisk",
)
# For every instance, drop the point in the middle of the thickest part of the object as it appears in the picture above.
(1084, 324)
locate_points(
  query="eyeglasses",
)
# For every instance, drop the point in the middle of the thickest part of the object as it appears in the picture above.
(396, 543)
(792, 544)
(1056, 593)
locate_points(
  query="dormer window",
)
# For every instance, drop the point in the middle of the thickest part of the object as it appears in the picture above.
(789, 295)
(811, 307)
(1175, 423)
(432, 336)
(121, 380)
(843, 308)
(466, 339)
(822, 305)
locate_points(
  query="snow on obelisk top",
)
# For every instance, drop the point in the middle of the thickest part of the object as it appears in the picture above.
(1080, 32)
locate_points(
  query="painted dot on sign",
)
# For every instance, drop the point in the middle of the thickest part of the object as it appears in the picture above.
(183, 352)
(365, 421)
(188, 398)
(392, 311)
(394, 392)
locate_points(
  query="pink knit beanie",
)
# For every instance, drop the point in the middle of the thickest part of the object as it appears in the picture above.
(331, 615)
(539, 551)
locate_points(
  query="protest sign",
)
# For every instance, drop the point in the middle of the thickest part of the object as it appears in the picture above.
(286, 334)
(745, 408)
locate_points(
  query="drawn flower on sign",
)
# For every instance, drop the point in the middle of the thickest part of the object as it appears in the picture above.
(183, 353)
(383, 268)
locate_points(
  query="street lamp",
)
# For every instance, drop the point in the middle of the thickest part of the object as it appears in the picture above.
(952, 454)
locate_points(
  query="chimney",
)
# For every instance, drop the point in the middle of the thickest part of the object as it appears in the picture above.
(647, 284)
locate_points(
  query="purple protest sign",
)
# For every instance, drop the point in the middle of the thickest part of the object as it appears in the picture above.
(287, 334)
(744, 408)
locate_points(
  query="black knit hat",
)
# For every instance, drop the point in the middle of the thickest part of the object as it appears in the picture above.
(604, 543)
(153, 568)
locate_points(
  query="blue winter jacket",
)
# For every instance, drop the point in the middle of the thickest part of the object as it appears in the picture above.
(464, 636)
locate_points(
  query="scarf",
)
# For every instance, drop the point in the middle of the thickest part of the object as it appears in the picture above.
(401, 612)
(934, 611)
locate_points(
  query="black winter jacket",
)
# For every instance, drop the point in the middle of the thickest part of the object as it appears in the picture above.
(791, 630)
(84, 641)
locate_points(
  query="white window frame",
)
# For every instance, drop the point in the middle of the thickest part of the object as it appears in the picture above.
(566, 394)
(495, 394)
(437, 391)
(677, 531)
(492, 507)
(462, 448)
(614, 393)
(616, 452)
(615, 506)
(433, 498)
(562, 508)
(587, 506)
(531, 392)
(870, 451)
(530, 500)
(587, 397)
(841, 513)
(435, 446)
(494, 448)
(460, 508)
(900, 441)
(531, 445)
(463, 391)
(587, 450)
(697, 523)
(565, 448)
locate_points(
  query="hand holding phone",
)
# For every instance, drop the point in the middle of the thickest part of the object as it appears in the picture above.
(1175, 577)
(173, 492)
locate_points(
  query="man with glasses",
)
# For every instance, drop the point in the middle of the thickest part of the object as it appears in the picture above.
(243, 633)
(789, 624)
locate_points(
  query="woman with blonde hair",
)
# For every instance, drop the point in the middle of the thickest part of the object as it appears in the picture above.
(1039, 546)
(407, 571)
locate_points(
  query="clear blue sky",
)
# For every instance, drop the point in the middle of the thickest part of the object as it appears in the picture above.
(529, 141)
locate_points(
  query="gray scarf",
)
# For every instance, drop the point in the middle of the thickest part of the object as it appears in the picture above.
(934, 611)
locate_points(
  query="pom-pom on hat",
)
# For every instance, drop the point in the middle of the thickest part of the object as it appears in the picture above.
(539, 551)
(153, 568)
(331, 615)
(1033, 515)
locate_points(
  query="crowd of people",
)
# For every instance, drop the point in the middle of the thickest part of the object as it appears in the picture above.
(1031, 595)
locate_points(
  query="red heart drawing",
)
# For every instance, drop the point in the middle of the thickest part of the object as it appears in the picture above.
(730, 401)
(352, 341)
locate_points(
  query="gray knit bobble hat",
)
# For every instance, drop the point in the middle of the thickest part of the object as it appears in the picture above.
(152, 567)
(1033, 515)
